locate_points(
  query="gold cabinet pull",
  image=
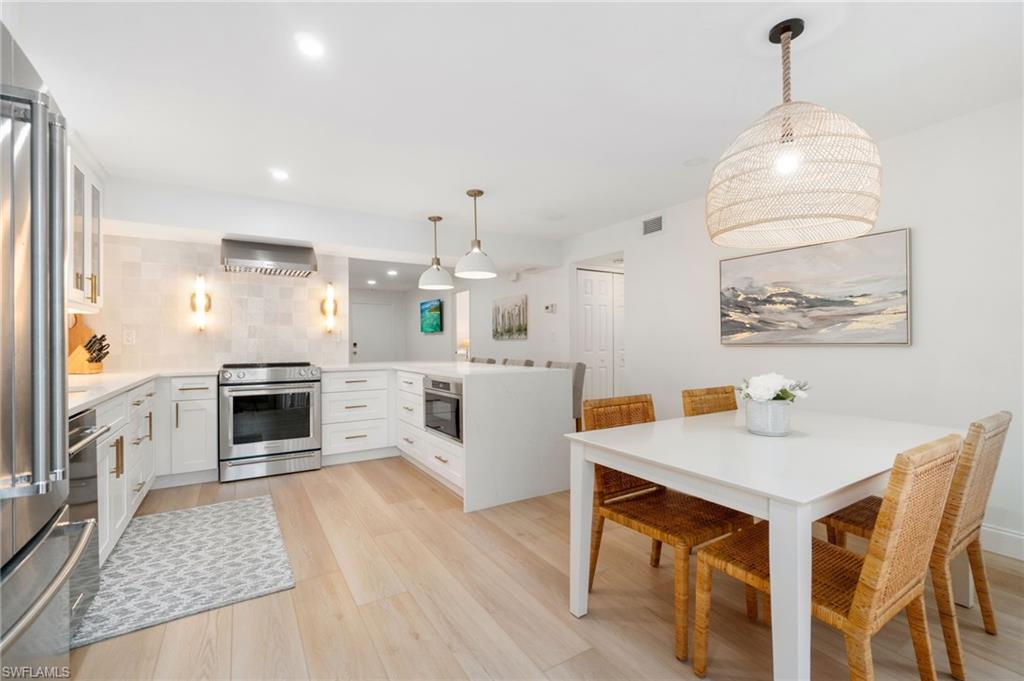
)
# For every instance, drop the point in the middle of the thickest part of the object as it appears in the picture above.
(409, 409)
(194, 387)
(354, 437)
(356, 380)
(118, 446)
(93, 288)
(149, 417)
(137, 441)
(177, 414)
(409, 440)
(136, 403)
(150, 394)
(440, 458)
(355, 406)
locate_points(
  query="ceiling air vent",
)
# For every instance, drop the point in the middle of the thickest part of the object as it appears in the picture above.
(652, 225)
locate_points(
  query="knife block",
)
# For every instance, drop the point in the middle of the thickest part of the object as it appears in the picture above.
(78, 361)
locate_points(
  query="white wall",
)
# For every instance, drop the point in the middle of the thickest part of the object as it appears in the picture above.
(958, 186)
(547, 334)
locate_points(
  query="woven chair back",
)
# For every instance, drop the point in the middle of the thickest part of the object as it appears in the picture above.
(698, 401)
(972, 482)
(613, 412)
(908, 522)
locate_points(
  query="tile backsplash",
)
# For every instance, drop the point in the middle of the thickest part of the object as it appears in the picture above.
(253, 318)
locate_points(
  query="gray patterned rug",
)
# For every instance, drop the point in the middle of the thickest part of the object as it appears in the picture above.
(171, 565)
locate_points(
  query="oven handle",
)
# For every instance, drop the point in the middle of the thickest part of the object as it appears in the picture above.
(441, 393)
(265, 459)
(283, 390)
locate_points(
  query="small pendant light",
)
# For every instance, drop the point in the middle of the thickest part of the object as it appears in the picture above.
(436, 278)
(801, 174)
(476, 264)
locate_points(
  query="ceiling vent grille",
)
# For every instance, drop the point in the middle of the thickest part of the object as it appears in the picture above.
(652, 225)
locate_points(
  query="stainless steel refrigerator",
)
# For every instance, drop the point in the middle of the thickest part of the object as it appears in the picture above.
(39, 546)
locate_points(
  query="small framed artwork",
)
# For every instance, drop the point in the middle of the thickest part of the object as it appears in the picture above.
(431, 317)
(850, 292)
(509, 318)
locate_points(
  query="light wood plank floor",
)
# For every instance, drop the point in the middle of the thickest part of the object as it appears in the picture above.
(395, 581)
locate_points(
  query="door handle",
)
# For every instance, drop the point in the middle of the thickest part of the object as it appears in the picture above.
(177, 414)
(149, 417)
(86, 441)
(118, 446)
(93, 288)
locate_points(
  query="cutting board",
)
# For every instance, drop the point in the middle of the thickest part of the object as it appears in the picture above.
(78, 360)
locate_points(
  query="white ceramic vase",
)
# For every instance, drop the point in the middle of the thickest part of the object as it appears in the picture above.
(769, 418)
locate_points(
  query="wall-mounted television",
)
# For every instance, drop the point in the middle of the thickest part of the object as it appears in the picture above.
(431, 317)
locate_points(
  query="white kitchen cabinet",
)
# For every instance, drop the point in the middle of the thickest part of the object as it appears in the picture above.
(85, 197)
(193, 436)
(111, 490)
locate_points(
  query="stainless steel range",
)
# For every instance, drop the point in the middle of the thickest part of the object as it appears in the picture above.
(269, 419)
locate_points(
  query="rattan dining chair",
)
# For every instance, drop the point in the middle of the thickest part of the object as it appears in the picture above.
(855, 594)
(662, 514)
(959, 531)
(483, 360)
(517, 362)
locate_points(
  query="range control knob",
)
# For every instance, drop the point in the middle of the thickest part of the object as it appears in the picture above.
(241, 374)
(314, 372)
(302, 372)
(225, 374)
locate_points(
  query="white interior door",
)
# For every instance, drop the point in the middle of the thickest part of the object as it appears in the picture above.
(619, 333)
(595, 324)
(372, 327)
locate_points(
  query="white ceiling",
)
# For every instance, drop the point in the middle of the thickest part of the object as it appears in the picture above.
(360, 271)
(570, 116)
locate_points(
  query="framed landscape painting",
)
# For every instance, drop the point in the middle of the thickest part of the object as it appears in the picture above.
(508, 318)
(431, 319)
(851, 292)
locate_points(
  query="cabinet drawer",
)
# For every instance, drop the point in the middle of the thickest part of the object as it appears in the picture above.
(357, 405)
(194, 388)
(344, 381)
(410, 408)
(410, 383)
(447, 459)
(140, 396)
(113, 413)
(339, 438)
(410, 440)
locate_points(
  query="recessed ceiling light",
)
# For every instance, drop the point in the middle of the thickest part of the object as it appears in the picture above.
(392, 273)
(309, 45)
(279, 174)
(371, 282)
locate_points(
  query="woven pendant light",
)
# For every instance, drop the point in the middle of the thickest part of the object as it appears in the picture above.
(801, 174)
(435, 277)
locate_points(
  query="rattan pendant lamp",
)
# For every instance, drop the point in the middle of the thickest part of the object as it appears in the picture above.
(475, 264)
(435, 277)
(801, 174)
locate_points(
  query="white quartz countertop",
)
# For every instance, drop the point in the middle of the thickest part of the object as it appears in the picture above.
(88, 390)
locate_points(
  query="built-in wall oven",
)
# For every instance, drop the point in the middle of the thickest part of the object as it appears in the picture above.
(269, 419)
(442, 406)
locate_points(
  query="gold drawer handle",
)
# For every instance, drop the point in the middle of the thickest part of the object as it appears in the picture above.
(440, 458)
(354, 437)
(355, 406)
(356, 380)
(150, 394)
(138, 487)
(137, 441)
(409, 382)
(408, 440)
(136, 403)
(195, 387)
(409, 409)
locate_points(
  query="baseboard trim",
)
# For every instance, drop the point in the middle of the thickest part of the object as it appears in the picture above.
(182, 479)
(354, 457)
(1004, 541)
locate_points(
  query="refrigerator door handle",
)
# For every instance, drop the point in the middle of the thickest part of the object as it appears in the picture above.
(58, 409)
(51, 590)
(40, 311)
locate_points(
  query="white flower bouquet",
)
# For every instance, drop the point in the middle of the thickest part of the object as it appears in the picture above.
(769, 397)
(767, 387)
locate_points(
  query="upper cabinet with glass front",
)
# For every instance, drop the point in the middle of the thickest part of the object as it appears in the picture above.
(85, 232)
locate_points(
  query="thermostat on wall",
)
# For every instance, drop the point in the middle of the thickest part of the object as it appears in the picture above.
(551, 308)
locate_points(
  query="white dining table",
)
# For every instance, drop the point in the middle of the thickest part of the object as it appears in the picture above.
(826, 462)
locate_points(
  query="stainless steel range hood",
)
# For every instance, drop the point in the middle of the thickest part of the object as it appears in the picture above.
(279, 260)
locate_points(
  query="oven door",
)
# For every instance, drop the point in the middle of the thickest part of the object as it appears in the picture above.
(269, 419)
(442, 413)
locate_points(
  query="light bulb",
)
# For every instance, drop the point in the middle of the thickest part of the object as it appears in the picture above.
(787, 161)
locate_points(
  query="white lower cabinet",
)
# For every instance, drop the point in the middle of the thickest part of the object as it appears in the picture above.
(111, 490)
(193, 436)
(354, 436)
(356, 412)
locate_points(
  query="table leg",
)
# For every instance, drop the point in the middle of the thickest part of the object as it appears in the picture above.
(790, 553)
(581, 510)
(960, 571)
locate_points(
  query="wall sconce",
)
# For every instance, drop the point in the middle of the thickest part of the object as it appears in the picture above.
(200, 303)
(329, 308)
